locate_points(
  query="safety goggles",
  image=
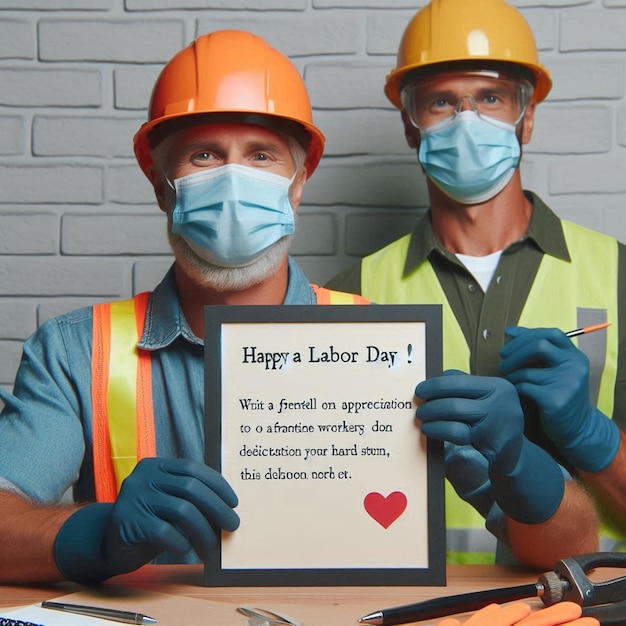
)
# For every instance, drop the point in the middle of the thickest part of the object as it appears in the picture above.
(437, 99)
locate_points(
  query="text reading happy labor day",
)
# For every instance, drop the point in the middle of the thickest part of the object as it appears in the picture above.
(277, 360)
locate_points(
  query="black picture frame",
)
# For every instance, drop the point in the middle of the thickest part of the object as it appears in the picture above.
(222, 324)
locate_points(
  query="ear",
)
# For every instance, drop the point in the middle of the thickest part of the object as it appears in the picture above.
(528, 123)
(297, 189)
(411, 133)
(164, 193)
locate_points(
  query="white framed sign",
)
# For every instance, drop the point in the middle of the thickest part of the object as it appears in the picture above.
(310, 416)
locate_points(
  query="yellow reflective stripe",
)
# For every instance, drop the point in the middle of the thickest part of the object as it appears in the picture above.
(339, 297)
(121, 382)
(122, 394)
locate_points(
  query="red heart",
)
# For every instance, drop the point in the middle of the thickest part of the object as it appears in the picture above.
(385, 510)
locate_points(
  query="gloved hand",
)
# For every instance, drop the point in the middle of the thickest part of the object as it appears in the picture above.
(518, 614)
(485, 412)
(468, 472)
(560, 388)
(165, 504)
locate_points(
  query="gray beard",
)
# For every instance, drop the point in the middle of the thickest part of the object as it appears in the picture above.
(229, 278)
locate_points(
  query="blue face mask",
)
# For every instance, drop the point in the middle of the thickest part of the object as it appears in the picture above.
(232, 214)
(468, 158)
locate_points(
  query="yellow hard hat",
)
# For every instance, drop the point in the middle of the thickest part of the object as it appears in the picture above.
(231, 72)
(449, 31)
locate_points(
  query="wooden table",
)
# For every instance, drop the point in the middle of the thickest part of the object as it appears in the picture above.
(187, 581)
(317, 606)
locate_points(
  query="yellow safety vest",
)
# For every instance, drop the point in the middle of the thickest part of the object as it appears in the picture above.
(560, 290)
(121, 383)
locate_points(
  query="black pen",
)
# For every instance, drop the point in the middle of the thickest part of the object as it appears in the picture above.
(449, 605)
(127, 617)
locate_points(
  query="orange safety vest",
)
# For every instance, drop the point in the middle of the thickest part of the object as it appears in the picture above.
(121, 385)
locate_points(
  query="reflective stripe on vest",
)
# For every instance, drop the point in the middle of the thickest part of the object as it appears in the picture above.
(329, 296)
(121, 388)
(121, 383)
(585, 296)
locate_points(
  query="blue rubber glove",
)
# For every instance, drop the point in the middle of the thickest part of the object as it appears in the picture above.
(485, 412)
(468, 472)
(546, 366)
(165, 504)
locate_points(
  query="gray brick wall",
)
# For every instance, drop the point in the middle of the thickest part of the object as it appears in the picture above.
(78, 221)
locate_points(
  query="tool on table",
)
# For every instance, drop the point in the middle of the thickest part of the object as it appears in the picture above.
(126, 617)
(587, 329)
(605, 600)
(259, 616)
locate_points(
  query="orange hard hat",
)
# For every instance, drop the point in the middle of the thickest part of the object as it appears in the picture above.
(467, 31)
(231, 72)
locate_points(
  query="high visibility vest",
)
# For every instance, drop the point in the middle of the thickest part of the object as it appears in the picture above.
(589, 283)
(121, 388)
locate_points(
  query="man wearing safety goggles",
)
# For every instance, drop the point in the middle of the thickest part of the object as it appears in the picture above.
(469, 145)
(531, 419)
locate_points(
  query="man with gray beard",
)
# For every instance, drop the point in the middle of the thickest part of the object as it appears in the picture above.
(109, 400)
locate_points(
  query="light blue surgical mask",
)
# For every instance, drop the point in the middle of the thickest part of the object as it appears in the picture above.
(231, 215)
(468, 158)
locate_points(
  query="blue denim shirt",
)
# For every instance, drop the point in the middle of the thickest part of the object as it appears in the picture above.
(45, 427)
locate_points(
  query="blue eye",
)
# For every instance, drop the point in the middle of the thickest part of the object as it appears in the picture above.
(441, 103)
(204, 158)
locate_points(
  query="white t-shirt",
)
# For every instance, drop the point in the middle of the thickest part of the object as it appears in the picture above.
(481, 267)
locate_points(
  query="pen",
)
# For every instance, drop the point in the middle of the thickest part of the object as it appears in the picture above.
(448, 605)
(127, 617)
(587, 329)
